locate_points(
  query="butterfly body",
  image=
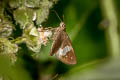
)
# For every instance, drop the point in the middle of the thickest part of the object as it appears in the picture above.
(62, 46)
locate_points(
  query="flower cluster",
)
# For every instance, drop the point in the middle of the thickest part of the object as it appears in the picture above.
(23, 16)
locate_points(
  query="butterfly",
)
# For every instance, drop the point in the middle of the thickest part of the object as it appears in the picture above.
(62, 46)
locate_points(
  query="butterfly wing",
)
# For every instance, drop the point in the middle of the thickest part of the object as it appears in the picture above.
(65, 52)
(56, 43)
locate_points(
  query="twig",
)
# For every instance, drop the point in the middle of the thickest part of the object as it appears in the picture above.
(111, 31)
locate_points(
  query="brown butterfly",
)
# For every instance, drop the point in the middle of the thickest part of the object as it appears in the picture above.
(62, 46)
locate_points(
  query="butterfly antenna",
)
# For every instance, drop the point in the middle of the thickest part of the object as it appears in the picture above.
(57, 15)
(63, 18)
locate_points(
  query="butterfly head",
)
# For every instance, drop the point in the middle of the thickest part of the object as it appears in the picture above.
(62, 25)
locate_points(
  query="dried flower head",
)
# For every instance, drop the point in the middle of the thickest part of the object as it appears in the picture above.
(32, 38)
(9, 49)
(6, 27)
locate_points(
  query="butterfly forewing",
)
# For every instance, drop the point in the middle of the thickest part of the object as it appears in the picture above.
(66, 53)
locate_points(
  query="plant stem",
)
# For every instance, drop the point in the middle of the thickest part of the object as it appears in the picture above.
(111, 31)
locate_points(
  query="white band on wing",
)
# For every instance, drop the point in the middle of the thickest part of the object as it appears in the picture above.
(64, 51)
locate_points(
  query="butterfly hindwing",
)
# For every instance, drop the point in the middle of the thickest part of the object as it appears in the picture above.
(56, 43)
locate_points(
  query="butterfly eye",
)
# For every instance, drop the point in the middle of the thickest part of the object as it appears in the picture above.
(63, 25)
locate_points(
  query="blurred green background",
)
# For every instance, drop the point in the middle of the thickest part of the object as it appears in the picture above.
(93, 27)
